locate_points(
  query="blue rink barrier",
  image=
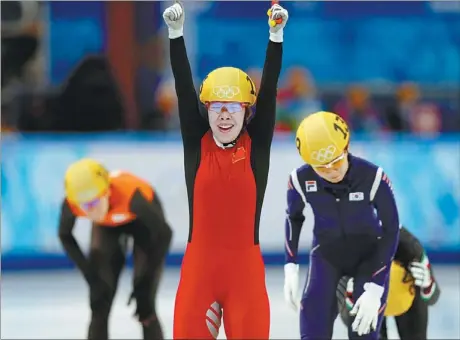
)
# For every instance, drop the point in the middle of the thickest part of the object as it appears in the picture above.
(424, 173)
(46, 262)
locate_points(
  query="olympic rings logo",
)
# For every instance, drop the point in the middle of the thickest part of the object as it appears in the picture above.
(225, 91)
(324, 155)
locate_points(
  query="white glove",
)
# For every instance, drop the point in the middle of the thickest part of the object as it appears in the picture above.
(291, 285)
(277, 19)
(174, 17)
(421, 274)
(367, 308)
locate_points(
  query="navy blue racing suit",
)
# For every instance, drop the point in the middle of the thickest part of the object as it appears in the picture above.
(355, 233)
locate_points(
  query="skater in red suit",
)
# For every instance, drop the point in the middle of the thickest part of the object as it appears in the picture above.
(227, 152)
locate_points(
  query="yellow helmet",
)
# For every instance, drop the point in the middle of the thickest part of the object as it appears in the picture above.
(322, 137)
(85, 180)
(401, 292)
(228, 84)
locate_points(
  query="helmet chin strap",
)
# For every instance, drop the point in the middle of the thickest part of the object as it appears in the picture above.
(233, 142)
(225, 145)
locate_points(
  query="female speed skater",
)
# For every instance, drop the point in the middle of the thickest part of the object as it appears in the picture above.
(412, 290)
(226, 155)
(120, 205)
(355, 232)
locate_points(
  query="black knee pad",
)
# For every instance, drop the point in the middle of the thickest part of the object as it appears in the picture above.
(101, 298)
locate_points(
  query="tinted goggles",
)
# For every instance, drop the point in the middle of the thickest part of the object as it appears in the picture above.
(230, 107)
(86, 206)
(334, 165)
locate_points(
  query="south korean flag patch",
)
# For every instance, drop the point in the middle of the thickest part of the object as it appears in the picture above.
(356, 196)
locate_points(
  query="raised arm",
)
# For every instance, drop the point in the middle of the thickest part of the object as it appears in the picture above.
(262, 126)
(193, 125)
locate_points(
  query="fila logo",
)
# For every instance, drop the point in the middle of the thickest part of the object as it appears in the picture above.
(118, 218)
(356, 196)
(311, 186)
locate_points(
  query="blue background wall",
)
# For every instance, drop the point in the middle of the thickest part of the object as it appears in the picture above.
(424, 173)
(339, 41)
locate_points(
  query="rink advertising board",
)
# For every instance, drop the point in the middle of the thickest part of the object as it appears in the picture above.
(424, 174)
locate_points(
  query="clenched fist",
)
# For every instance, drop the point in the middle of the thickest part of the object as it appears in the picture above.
(174, 17)
(277, 19)
(421, 273)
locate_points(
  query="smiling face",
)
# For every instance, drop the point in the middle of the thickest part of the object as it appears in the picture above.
(226, 120)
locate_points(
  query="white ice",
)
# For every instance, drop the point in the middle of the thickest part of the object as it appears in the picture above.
(53, 305)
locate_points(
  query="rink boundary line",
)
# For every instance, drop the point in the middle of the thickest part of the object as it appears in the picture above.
(60, 261)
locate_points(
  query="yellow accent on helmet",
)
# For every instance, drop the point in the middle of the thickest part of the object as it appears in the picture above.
(322, 137)
(228, 84)
(85, 180)
(401, 292)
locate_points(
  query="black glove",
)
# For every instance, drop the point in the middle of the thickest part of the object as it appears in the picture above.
(144, 304)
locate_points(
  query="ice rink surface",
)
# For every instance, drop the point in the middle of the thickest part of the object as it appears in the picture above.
(53, 305)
